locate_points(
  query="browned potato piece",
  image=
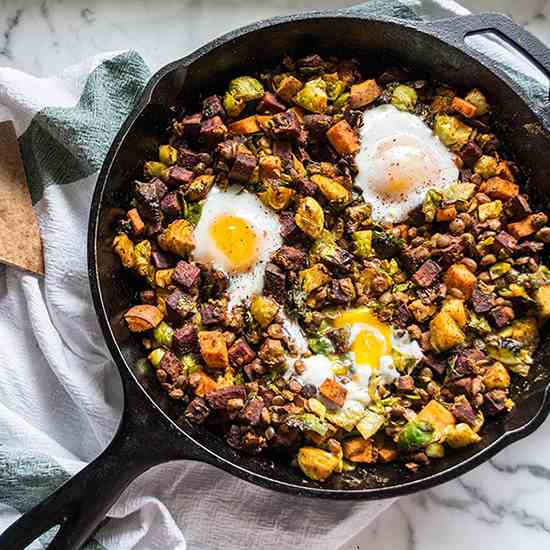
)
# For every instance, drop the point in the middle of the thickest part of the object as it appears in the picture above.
(524, 227)
(460, 277)
(498, 188)
(289, 87)
(359, 450)
(437, 415)
(364, 93)
(445, 332)
(270, 166)
(496, 377)
(248, 125)
(214, 349)
(343, 138)
(143, 317)
(455, 308)
(316, 463)
(333, 391)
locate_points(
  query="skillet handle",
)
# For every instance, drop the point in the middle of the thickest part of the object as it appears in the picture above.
(457, 29)
(81, 504)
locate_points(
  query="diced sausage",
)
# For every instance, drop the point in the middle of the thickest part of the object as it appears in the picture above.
(270, 104)
(275, 282)
(285, 125)
(186, 275)
(289, 258)
(218, 399)
(212, 106)
(197, 411)
(252, 411)
(243, 167)
(427, 274)
(185, 339)
(240, 353)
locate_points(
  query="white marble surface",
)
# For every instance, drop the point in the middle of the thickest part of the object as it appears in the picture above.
(502, 504)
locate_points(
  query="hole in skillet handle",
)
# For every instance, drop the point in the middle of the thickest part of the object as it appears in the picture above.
(478, 34)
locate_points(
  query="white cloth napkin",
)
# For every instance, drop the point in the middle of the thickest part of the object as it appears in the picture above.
(60, 394)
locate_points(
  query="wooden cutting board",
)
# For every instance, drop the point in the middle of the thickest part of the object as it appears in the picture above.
(20, 243)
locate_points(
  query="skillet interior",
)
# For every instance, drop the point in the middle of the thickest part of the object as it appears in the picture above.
(375, 43)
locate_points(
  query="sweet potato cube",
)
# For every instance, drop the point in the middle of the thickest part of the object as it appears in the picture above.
(214, 349)
(387, 453)
(358, 449)
(499, 188)
(263, 121)
(364, 93)
(523, 228)
(460, 277)
(143, 317)
(447, 214)
(206, 384)
(137, 223)
(333, 391)
(464, 107)
(248, 125)
(437, 415)
(343, 138)
(445, 332)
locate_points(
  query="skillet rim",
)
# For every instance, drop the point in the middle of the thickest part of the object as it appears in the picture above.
(199, 451)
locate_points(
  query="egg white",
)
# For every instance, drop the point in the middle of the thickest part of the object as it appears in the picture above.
(264, 222)
(399, 146)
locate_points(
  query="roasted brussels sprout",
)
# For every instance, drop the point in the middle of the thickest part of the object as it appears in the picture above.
(363, 243)
(310, 217)
(155, 357)
(233, 106)
(246, 88)
(490, 210)
(168, 155)
(263, 309)
(143, 259)
(404, 98)
(313, 96)
(486, 166)
(177, 238)
(476, 98)
(333, 191)
(163, 334)
(452, 132)
(154, 169)
(415, 435)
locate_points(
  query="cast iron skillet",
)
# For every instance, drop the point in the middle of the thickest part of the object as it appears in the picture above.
(152, 429)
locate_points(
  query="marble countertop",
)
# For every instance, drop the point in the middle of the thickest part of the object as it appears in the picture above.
(501, 504)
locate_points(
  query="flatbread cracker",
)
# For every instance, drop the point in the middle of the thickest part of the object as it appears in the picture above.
(20, 243)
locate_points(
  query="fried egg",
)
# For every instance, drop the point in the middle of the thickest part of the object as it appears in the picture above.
(400, 159)
(371, 344)
(237, 234)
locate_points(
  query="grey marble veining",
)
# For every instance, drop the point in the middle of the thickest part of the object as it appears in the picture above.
(500, 505)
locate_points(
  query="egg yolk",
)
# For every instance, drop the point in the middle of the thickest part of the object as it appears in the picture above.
(372, 341)
(236, 240)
